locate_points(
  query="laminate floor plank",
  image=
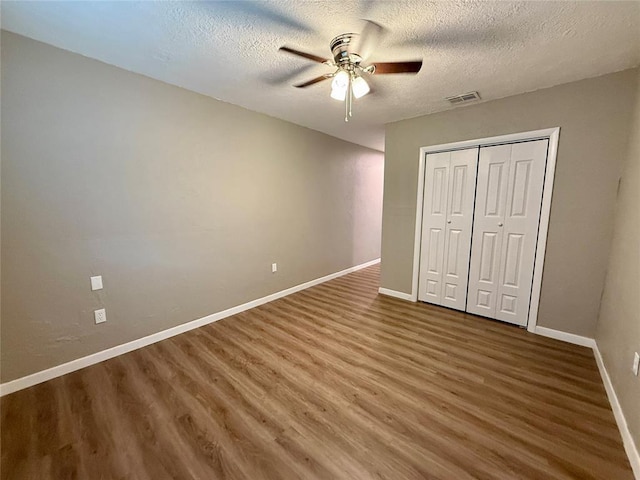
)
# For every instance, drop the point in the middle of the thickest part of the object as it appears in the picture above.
(333, 382)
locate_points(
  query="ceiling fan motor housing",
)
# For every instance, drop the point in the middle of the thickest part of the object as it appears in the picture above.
(340, 49)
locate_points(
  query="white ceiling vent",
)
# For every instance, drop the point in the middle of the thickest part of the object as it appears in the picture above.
(464, 98)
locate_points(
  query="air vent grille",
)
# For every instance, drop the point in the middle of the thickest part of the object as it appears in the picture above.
(464, 98)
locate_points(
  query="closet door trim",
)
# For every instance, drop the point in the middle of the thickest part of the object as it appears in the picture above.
(553, 134)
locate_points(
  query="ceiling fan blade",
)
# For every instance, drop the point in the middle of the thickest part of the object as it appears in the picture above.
(367, 7)
(454, 39)
(398, 67)
(308, 56)
(264, 11)
(280, 78)
(369, 38)
(315, 80)
(261, 11)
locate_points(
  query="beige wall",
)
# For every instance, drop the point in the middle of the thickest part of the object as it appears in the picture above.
(618, 332)
(180, 201)
(594, 117)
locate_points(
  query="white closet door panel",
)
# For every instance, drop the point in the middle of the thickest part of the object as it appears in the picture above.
(486, 245)
(520, 230)
(434, 223)
(460, 204)
(446, 227)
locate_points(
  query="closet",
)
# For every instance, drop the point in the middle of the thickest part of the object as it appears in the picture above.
(480, 220)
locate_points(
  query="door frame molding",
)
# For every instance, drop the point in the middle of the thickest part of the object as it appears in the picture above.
(553, 134)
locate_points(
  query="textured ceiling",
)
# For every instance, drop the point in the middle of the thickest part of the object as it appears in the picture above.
(229, 50)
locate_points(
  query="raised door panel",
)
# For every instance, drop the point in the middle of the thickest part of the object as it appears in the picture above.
(434, 208)
(486, 244)
(460, 206)
(521, 222)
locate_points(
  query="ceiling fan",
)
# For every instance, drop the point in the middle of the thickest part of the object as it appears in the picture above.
(348, 56)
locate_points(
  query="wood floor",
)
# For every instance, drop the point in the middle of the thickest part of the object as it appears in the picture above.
(335, 382)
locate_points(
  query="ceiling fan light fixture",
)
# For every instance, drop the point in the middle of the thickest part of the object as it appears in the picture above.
(339, 85)
(339, 94)
(360, 87)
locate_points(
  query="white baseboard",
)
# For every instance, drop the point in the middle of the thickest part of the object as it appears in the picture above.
(629, 445)
(72, 366)
(565, 337)
(395, 294)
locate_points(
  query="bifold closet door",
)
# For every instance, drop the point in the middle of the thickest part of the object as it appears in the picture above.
(505, 230)
(450, 179)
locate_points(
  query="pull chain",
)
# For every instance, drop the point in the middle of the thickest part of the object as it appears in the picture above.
(348, 101)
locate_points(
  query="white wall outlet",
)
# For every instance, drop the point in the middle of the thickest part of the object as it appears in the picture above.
(274, 267)
(636, 363)
(100, 315)
(96, 283)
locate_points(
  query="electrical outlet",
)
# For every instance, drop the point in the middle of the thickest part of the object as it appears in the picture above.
(274, 267)
(636, 363)
(100, 315)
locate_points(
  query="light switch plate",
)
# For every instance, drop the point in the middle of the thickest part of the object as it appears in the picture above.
(100, 315)
(96, 283)
(636, 363)
(274, 267)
